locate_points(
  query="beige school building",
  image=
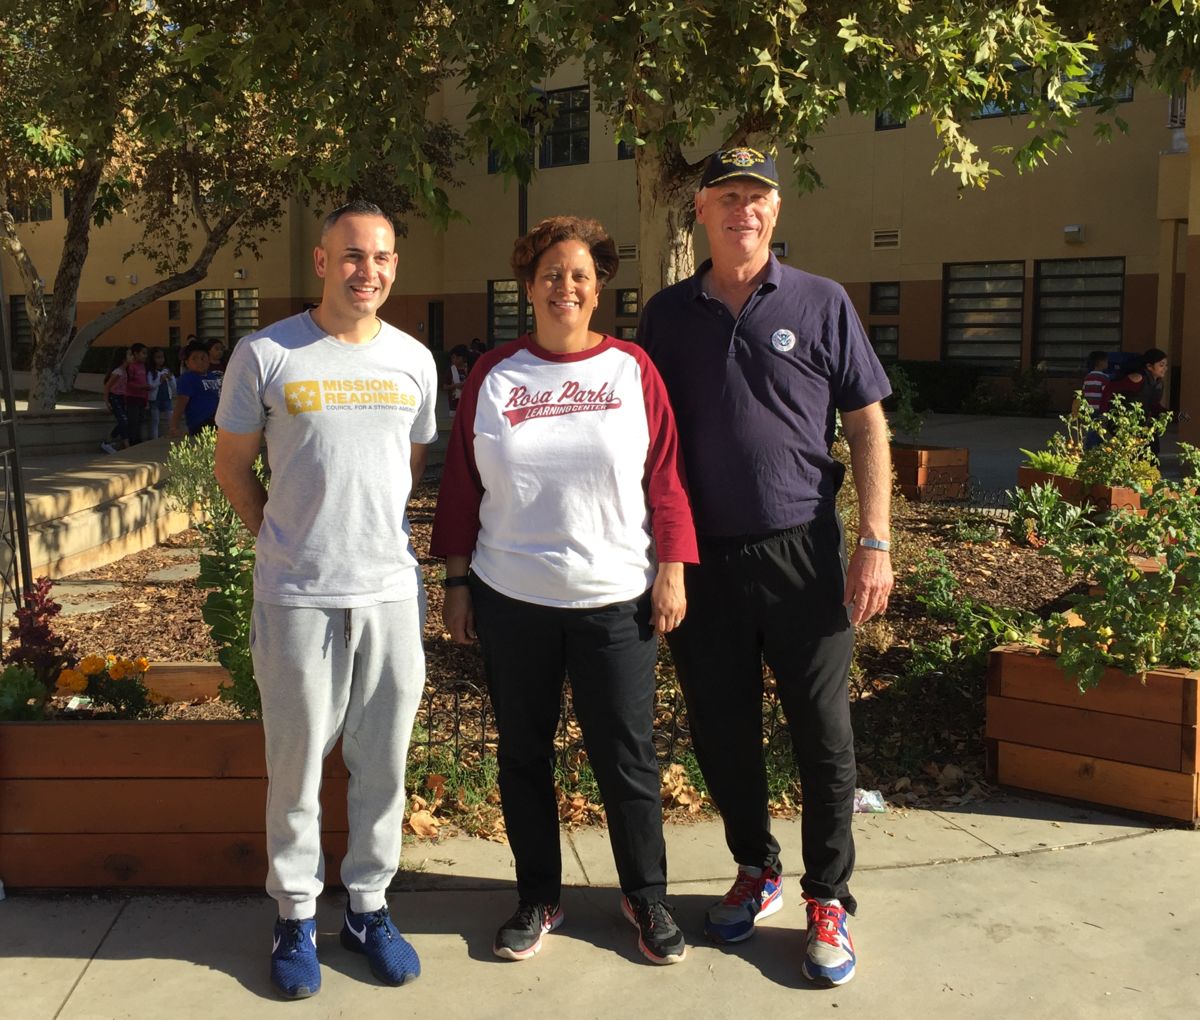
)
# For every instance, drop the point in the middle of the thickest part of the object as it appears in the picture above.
(1099, 249)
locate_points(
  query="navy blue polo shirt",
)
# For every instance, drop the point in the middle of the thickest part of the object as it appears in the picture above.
(754, 396)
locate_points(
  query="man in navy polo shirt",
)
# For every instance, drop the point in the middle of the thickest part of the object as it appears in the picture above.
(758, 358)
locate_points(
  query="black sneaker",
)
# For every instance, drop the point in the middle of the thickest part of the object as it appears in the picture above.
(659, 937)
(520, 937)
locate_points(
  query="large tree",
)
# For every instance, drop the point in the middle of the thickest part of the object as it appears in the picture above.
(669, 73)
(201, 120)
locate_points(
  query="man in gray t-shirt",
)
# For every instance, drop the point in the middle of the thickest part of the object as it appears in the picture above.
(346, 405)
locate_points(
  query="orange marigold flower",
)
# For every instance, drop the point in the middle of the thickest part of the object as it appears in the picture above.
(118, 670)
(142, 663)
(91, 665)
(72, 680)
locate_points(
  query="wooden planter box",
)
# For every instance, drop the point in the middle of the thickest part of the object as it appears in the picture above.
(1102, 497)
(161, 804)
(1122, 744)
(931, 472)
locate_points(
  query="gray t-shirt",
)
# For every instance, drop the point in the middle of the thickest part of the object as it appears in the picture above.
(339, 421)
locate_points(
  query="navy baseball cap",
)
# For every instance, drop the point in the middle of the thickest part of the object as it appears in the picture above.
(727, 164)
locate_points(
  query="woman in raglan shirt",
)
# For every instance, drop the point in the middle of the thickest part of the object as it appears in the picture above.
(565, 526)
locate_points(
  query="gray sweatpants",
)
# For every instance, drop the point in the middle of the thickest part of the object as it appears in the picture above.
(325, 673)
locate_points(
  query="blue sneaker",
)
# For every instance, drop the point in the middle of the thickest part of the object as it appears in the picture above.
(391, 957)
(756, 893)
(828, 951)
(295, 970)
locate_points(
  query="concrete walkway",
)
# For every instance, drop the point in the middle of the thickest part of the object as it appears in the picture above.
(1010, 907)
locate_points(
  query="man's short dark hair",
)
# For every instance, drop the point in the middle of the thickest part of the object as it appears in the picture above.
(1097, 359)
(356, 207)
(1153, 356)
(195, 347)
(136, 348)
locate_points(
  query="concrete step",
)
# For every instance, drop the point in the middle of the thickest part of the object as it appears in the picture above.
(86, 511)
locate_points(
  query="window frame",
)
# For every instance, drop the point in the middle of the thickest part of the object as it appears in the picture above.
(996, 365)
(885, 304)
(1059, 366)
(553, 130)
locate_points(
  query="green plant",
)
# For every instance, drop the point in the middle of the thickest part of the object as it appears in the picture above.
(1053, 461)
(977, 626)
(226, 565)
(1103, 449)
(905, 416)
(1122, 457)
(970, 529)
(1189, 463)
(47, 654)
(1137, 616)
(22, 694)
(1039, 514)
(115, 682)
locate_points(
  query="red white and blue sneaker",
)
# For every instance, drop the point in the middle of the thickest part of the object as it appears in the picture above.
(295, 971)
(391, 958)
(828, 950)
(756, 893)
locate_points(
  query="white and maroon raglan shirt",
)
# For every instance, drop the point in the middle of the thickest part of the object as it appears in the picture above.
(563, 480)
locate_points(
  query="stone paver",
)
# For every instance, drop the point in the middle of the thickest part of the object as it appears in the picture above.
(179, 572)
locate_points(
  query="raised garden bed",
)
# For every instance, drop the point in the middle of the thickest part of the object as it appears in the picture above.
(154, 803)
(1102, 497)
(1124, 744)
(931, 472)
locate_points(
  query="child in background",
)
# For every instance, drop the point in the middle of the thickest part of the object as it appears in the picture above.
(114, 394)
(161, 381)
(137, 392)
(197, 393)
(1096, 379)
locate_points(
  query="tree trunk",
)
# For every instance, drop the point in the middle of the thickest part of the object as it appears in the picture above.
(666, 214)
(78, 347)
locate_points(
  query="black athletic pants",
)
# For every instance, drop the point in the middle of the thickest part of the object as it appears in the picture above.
(776, 598)
(609, 655)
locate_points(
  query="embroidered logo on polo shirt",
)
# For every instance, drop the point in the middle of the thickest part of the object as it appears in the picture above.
(783, 340)
(573, 398)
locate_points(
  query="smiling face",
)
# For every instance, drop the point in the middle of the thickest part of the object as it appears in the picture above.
(1157, 369)
(739, 217)
(357, 260)
(564, 290)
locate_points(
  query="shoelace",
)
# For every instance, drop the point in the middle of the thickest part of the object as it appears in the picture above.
(653, 915)
(745, 887)
(294, 938)
(379, 919)
(825, 918)
(528, 914)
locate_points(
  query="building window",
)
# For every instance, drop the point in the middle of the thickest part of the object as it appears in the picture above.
(1078, 308)
(504, 310)
(886, 341)
(565, 138)
(885, 299)
(210, 314)
(885, 121)
(625, 150)
(629, 301)
(36, 211)
(21, 339)
(493, 166)
(627, 332)
(173, 311)
(982, 312)
(243, 312)
(67, 196)
(173, 336)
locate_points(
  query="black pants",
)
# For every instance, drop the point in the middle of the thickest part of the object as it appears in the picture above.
(135, 411)
(778, 599)
(609, 655)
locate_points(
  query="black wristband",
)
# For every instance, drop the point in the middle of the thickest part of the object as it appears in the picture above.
(456, 582)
